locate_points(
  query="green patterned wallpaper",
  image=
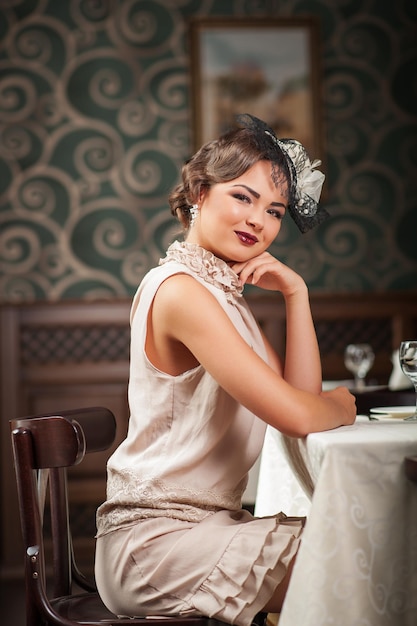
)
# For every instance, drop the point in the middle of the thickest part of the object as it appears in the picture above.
(95, 123)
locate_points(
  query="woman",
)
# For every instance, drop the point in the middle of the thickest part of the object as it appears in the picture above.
(204, 383)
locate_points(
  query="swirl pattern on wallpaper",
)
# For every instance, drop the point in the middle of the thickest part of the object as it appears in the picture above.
(95, 125)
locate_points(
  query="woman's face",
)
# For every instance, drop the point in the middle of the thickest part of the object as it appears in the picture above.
(239, 220)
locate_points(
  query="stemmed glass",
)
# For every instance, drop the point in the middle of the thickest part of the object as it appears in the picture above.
(408, 361)
(359, 358)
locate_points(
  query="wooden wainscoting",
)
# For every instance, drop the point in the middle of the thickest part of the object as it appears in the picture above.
(383, 320)
(57, 356)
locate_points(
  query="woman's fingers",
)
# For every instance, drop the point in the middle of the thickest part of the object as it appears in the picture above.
(262, 263)
(264, 271)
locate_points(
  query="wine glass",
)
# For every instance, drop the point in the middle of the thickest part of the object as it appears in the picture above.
(408, 361)
(359, 358)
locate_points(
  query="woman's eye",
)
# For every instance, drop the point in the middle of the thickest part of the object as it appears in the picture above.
(275, 213)
(242, 197)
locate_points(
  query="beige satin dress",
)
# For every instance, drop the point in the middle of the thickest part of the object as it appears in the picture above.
(172, 536)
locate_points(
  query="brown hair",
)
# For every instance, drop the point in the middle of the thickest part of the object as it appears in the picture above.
(219, 161)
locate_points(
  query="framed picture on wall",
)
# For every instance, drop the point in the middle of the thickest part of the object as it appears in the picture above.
(269, 68)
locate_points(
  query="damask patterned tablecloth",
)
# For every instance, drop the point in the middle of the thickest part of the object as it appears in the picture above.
(357, 564)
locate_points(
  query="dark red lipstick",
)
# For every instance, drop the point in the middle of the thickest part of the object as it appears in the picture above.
(246, 238)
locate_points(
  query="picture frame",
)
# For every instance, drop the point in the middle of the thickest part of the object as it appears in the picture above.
(267, 67)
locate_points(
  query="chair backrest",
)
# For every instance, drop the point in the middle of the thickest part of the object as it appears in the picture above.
(44, 446)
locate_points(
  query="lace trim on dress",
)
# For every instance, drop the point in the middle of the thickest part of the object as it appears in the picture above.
(131, 498)
(206, 265)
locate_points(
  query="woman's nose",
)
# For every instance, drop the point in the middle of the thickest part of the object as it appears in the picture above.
(255, 219)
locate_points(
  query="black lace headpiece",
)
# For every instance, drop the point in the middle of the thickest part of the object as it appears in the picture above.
(305, 181)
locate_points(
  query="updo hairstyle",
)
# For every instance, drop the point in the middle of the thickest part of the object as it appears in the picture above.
(219, 161)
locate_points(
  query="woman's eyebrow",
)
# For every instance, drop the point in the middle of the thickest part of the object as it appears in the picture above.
(257, 195)
(251, 191)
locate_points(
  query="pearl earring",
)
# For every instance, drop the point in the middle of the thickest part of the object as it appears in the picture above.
(193, 214)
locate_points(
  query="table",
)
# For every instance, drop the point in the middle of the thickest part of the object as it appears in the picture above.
(357, 563)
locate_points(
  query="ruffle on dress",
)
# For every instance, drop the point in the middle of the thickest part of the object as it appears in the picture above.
(206, 265)
(250, 569)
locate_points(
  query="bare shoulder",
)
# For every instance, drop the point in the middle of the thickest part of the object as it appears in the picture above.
(184, 299)
(183, 291)
(176, 284)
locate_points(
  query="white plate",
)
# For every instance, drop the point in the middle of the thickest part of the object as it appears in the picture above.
(393, 411)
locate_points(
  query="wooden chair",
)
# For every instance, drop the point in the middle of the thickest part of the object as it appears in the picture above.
(44, 447)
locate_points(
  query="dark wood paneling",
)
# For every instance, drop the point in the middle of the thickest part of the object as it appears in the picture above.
(58, 356)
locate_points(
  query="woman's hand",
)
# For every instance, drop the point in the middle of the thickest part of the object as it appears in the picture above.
(266, 272)
(345, 402)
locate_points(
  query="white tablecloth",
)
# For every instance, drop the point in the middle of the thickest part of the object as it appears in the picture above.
(357, 564)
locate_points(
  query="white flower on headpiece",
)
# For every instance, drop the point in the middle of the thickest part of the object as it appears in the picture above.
(309, 180)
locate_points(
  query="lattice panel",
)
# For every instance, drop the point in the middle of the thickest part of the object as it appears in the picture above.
(334, 336)
(74, 344)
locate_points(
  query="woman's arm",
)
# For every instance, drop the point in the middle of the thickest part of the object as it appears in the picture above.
(302, 366)
(186, 314)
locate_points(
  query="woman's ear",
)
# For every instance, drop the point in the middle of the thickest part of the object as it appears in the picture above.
(202, 194)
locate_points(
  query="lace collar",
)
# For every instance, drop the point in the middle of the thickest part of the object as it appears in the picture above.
(207, 266)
